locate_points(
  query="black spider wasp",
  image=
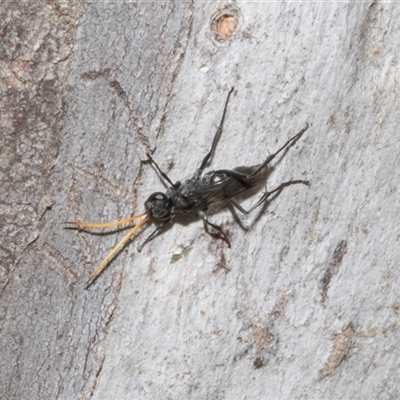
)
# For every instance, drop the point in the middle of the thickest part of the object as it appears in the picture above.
(196, 192)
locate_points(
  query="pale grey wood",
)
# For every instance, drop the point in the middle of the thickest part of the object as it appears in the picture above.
(305, 303)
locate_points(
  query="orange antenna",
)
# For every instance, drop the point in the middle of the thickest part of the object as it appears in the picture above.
(82, 224)
(103, 263)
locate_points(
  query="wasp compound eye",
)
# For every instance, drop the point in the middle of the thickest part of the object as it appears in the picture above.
(158, 206)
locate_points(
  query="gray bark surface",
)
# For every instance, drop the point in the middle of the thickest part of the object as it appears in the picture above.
(305, 305)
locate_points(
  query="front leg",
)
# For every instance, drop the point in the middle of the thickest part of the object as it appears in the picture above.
(153, 235)
(163, 174)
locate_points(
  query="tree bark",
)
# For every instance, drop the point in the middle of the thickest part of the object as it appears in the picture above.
(304, 305)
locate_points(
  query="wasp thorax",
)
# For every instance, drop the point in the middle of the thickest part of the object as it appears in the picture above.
(158, 206)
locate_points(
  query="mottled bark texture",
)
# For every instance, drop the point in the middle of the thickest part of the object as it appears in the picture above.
(304, 305)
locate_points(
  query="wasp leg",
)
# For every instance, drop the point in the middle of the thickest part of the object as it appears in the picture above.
(236, 204)
(265, 196)
(216, 227)
(153, 235)
(244, 178)
(163, 174)
(216, 138)
(291, 141)
(239, 176)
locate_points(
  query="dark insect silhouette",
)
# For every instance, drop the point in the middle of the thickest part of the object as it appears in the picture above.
(196, 193)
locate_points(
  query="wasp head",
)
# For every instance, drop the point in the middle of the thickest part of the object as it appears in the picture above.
(158, 206)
